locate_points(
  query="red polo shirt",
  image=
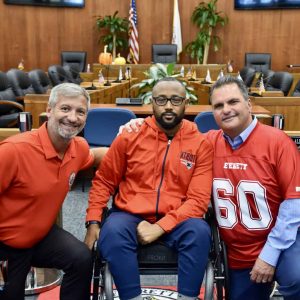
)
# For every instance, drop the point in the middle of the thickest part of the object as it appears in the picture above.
(34, 182)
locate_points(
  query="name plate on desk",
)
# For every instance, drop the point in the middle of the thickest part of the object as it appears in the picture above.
(129, 101)
(296, 139)
(295, 136)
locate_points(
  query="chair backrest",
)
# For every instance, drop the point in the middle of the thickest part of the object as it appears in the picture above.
(40, 81)
(74, 58)
(6, 91)
(280, 81)
(20, 82)
(259, 61)
(57, 75)
(164, 53)
(205, 121)
(248, 75)
(296, 92)
(73, 73)
(9, 113)
(102, 125)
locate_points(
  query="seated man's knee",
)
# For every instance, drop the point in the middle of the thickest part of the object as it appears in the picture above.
(198, 232)
(290, 287)
(200, 228)
(113, 236)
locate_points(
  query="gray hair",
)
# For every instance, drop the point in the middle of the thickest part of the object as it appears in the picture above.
(228, 79)
(67, 90)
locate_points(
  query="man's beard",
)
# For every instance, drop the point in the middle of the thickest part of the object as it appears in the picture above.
(63, 132)
(169, 125)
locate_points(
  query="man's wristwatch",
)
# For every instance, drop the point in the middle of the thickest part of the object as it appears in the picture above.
(88, 223)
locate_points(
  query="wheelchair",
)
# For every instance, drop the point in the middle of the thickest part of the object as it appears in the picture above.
(158, 259)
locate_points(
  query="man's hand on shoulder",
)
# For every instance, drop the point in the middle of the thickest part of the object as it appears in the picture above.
(262, 272)
(132, 126)
(148, 233)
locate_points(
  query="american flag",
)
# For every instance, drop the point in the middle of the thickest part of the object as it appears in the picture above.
(133, 55)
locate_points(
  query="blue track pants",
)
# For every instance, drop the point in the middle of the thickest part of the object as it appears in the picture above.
(118, 246)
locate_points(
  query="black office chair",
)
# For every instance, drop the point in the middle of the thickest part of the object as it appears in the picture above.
(74, 58)
(20, 82)
(248, 75)
(296, 92)
(258, 61)
(9, 108)
(40, 81)
(280, 81)
(9, 113)
(164, 53)
(58, 75)
(73, 73)
(6, 91)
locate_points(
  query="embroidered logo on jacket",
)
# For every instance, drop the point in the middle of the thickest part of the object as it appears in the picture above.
(188, 159)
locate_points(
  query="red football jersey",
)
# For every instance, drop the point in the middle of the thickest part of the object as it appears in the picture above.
(248, 187)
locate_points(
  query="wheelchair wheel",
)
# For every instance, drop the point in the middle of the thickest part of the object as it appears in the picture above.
(220, 265)
(108, 283)
(209, 282)
(274, 288)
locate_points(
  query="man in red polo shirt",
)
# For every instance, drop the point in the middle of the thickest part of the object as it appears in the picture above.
(37, 170)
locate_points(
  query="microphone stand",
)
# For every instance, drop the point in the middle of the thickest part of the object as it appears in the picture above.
(107, 83)
(129, 82)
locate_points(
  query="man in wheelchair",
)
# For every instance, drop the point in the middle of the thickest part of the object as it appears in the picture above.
(163, 174)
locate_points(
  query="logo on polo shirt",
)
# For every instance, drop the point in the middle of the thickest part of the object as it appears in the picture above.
(71, 179)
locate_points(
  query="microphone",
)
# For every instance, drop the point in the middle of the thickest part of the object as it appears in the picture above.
(119, 77)
(129, 100)
(107, 83)
(128, 71)
(91, 88)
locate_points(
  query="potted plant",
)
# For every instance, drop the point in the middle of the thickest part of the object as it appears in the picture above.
(117, 36)
(206, 17)
(155, 73)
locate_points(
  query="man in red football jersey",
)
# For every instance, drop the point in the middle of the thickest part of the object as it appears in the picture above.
(256, 192)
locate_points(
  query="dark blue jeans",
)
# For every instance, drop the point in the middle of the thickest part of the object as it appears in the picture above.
(118, 246)
(287, 275)
(59, 249)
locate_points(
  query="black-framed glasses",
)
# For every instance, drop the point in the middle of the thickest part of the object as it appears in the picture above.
(162, 100)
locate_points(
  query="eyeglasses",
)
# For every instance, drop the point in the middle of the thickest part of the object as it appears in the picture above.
(162, 100)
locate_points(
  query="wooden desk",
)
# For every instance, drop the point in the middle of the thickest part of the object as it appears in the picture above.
(289, 107)
(7, 132)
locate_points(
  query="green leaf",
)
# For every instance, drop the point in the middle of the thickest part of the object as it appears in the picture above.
(170, 68)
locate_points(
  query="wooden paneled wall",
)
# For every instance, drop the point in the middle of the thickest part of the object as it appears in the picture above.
(39, 34)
